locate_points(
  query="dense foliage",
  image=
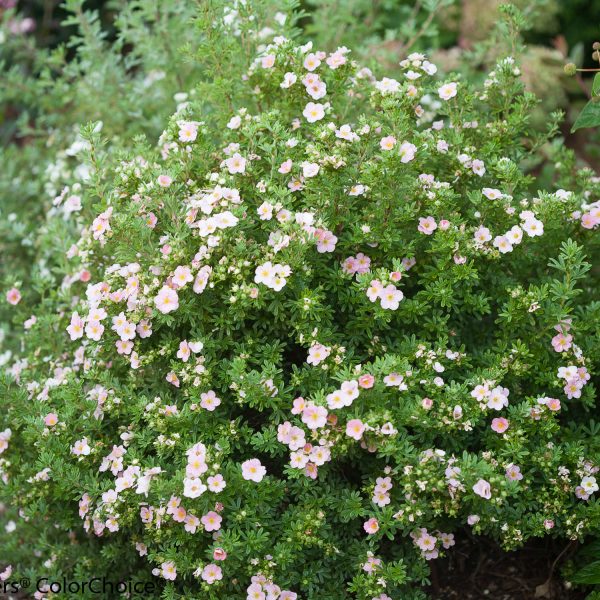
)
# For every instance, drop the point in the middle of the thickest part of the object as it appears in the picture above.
(298, 345)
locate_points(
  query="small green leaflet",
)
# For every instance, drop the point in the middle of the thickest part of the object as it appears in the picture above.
(589, 116)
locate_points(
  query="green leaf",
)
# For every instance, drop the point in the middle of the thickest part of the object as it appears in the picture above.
(596, 85)
(590, 574)
(588, 117)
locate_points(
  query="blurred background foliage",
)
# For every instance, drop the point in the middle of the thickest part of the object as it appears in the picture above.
(554, 31)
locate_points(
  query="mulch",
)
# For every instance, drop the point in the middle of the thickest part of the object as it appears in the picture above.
(477, 568)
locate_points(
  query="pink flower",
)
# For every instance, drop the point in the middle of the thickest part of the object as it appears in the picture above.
(390, 297)
(179, 514)
(503, 244)
(212, 573)
(326, 241)
(298, 405)
(13, 296)
(499, 424)
(482, 488)
(407, 152)
(311, 62)
(169, 570)
(562, 342)
(219, 554)
(188, 132)
(314, 417)
(211, 521)
(166, 300)
(236, 164)
(317, 353)
(388, 143)
(313, 112)
(216, 483)
(252, 470)
(184, 351)
(448, 90)
(193, 486)
(191, 523)
(371, 526)
(427, 225)
(374, 290)
(267, 61)
(209, 400)
(355, 429)
(164, 181)
(81, 447)
(310, 169)
(182, 275)
(51, 419)
(589, 221)
(513, 473)
(366, 381)
(573, 388)
(426, 542)
(285, 166)
(75, 329)
(482, 235)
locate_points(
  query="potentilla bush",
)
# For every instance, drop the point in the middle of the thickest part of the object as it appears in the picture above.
(324, 333)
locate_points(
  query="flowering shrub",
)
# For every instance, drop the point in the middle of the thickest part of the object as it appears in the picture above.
(317, 336)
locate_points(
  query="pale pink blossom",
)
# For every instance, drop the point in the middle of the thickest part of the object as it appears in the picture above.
(313, 112)
(499, 424)
(447, 91)
(13, 296)
(427, 225)
(388, 142)
(212, 573)
(482, 488)
(166, 300)
(366, 381)
(211, 521)
(252, 470)
(371, 526)
(355, 429)
(169, 570)
(236, 164)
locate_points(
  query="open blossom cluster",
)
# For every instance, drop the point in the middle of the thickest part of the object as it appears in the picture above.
(300, 330)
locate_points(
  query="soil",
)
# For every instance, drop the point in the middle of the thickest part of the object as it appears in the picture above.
(477, 568)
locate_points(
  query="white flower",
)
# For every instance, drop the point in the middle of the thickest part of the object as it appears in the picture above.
(236, 164)
(388, 86)
(289, 79)
(407, 152)
(447, 91)
(313, 112)
(234, 122)
(310, 169)
(533, 227)
(193, 487)
(589, 485)
(491, 193)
